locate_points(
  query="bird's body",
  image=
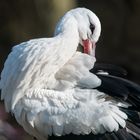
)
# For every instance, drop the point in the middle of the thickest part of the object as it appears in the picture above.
(48, 86)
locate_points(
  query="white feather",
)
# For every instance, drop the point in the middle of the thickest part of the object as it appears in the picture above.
(43, 79)
(74, 111)
(118, 119)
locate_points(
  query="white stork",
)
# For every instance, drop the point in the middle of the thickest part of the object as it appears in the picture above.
(53, 93)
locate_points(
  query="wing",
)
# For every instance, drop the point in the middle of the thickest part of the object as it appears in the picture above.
(78, 111)
(125, 94)
(25, 66)
(122, 90)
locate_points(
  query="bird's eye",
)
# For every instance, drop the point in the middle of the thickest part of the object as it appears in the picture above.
(92, 28)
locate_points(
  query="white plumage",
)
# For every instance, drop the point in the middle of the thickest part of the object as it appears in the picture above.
(47, 85)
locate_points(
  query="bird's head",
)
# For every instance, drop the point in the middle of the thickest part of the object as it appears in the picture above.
(88, 25)
(89, 28)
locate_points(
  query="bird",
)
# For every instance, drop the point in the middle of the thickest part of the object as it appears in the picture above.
(56, 92)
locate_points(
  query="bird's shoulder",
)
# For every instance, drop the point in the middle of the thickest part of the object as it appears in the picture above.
(35, 44)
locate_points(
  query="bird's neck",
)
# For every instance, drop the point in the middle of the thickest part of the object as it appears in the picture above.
(67, 30)
(67, 40)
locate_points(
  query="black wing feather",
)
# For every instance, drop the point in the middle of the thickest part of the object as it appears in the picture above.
(112, 87)
(119, 135)
(133, 87)
(133, 116)
(110, 68)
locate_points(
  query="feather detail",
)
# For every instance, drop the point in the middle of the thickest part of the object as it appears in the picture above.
(77, 111)
(124, 93)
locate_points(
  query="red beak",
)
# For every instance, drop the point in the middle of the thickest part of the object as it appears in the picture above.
(89, 47)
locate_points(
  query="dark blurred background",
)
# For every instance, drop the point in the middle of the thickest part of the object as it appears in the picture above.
(119, 43)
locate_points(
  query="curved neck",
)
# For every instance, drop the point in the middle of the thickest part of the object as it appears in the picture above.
(67, 38)
(67, 29)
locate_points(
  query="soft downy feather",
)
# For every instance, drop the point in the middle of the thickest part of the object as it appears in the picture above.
(77, 111)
